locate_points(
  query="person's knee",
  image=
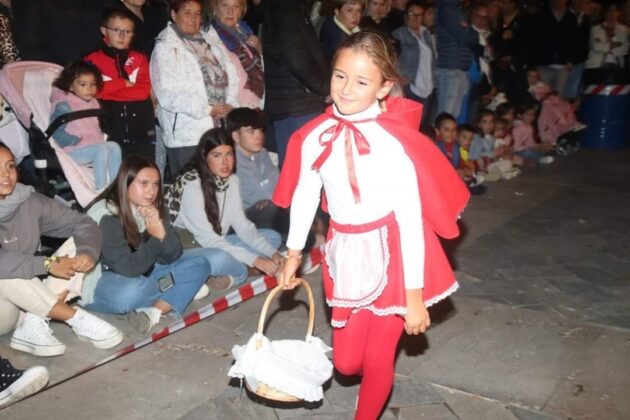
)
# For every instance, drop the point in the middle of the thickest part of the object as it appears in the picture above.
(9, 315)
(133, 296)
(193, 268)
(346, 364)
(273, 237)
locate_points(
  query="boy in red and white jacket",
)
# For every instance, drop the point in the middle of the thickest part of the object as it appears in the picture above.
(126, 93)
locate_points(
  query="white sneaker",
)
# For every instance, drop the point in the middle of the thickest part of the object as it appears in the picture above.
(579, 127)
(35, 336)
(143, 319)
(16, 384)
(514, 172)
(203, 291)
(101, 334)
(545, 160)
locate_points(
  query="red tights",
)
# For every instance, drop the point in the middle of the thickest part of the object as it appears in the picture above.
(367, 346)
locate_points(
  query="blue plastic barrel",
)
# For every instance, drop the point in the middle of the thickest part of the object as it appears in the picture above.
(605, 109)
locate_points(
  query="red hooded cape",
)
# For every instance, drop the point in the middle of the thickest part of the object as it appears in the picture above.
(442, 192)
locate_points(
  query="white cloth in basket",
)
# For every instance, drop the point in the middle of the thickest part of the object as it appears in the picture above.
(295, 367)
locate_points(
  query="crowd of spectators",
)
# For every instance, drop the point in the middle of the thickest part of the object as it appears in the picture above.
(197, 88)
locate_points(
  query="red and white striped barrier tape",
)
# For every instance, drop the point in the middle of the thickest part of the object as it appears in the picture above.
(243, 293)
(607, 90)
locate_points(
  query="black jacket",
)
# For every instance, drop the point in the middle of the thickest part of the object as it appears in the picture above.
(297, 74)
(555, 39)
(57, 31)
(517, 46)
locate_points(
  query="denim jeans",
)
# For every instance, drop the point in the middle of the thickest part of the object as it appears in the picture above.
(105, 159)
(574, 82)
(555, 78)
(529, 154)
(118, 294)
(284, 129)
(452, 86)
(224, 264)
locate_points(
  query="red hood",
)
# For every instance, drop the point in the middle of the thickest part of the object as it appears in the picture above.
(443, 193)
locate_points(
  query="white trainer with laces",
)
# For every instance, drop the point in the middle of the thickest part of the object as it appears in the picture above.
(88, 327)
(34, 336)
(546, 160)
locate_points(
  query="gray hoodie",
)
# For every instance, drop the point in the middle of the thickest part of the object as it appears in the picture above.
(24, 217)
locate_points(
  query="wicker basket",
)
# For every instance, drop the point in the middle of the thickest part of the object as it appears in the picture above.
(264, 391)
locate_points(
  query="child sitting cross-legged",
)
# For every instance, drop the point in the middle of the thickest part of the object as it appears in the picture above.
(557, 120)
(503, 138)
(524, 134)
(446, 141)
(467, 168)
(257, 173)
(494, 161)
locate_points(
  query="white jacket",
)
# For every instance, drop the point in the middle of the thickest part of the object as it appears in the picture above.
(600, 46)
(183, 110)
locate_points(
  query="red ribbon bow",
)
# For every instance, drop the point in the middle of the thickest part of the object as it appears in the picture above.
(351, 132)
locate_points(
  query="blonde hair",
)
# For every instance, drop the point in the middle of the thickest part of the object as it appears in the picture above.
(379, 48)
(214, 3)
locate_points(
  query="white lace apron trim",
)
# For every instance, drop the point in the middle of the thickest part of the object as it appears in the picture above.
(396, 310)
(357, 265)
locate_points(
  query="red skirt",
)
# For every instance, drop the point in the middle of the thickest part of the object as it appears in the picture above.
(387, 295)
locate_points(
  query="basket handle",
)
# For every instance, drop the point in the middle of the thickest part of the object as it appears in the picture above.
(271, 295)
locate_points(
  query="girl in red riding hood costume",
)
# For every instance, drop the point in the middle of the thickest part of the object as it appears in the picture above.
(390, 193)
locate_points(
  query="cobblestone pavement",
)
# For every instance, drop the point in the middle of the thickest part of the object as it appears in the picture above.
(540, 328)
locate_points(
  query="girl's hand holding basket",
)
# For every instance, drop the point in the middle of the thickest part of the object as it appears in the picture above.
(286, 276)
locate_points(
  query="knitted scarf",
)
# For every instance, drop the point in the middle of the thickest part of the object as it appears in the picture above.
(173, 198)
(235, 40)
(214, 76)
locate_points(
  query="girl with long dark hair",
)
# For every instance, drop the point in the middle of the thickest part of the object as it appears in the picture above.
(208, 186)
(142, 270)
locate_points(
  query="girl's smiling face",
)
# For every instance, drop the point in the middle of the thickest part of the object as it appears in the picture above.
(356, 82)
(8, 173)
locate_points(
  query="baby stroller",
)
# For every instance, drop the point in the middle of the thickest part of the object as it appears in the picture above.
(26, 87)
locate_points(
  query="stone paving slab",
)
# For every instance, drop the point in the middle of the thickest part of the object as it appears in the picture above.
(540, 328)
(472, 407)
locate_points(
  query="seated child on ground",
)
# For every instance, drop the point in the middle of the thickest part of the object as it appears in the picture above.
(557, 116)
(446, 135)
(26, 303)
(503, 138)
(126, 93)
(467, 167)
(482, 147)
(496, 161)
(507, 112)
(447, 142)
(524, 134)
(75, 90)
(257, 173)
